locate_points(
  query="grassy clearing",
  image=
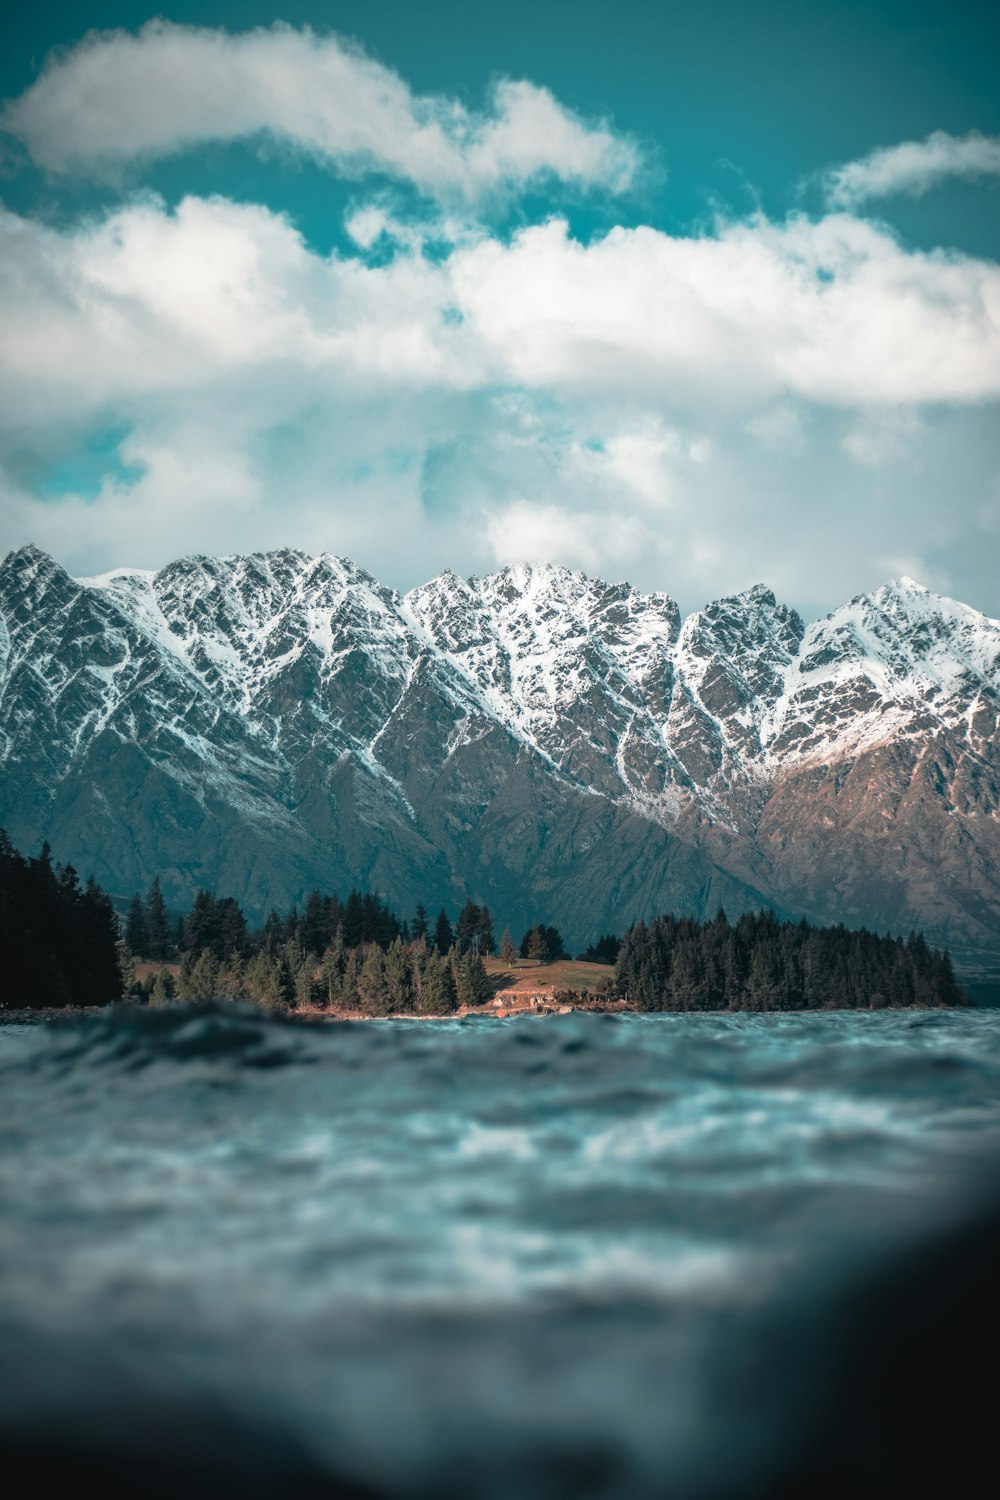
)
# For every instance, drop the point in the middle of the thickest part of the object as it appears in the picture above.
(569, 974)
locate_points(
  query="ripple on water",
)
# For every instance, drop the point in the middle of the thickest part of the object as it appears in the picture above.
(515, 1236)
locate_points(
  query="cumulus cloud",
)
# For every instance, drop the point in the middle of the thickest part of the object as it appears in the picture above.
(913, 167)
(773, 400)
(119, 95)
(150, 300)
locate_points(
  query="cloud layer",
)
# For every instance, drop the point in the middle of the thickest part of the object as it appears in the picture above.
(679, 410)
(804, 400)
(913, 168)
(119, 96)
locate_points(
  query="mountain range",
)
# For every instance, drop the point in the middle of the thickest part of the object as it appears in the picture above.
(543, 741)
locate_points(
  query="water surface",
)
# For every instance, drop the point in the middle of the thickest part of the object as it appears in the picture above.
(578, 1255)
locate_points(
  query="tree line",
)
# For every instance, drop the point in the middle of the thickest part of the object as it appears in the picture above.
(59, 940)
(62, 944)
(760, 963)
(344, 954)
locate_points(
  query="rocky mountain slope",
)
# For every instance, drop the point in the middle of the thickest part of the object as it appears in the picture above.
(537, 739)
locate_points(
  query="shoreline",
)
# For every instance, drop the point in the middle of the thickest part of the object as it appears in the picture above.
(22, 1016)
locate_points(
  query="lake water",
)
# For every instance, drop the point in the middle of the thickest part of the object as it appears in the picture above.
(538, 1257)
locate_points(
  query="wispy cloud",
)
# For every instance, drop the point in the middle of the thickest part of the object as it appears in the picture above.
(119, 96)
(913, 167)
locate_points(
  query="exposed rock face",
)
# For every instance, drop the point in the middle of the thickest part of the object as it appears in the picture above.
(537, 739)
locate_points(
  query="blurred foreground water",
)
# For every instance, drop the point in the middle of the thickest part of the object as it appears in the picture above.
(696, 1256)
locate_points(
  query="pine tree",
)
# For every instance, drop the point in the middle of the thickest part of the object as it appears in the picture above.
(438, 996)
(420, 926)
(157, 923)
(135, 927)
(232, 936)
(467, 931)
(487, 942)
(202, 984)
(555, 948)
(316, 931)
(443, 936)
(333, 969)
(162, 991)
(268, 982)
(399, 983)
(688, 989)
(472, 987)
(349, 993)
(534, 945)
(126, 968)
(373, 984)
(354, 921)
(307, 989)
(508, 953)
(201, 927)
(232, 985)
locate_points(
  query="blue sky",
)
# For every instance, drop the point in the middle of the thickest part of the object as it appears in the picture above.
(689, 295)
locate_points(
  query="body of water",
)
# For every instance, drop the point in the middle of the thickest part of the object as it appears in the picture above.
(545, 1257)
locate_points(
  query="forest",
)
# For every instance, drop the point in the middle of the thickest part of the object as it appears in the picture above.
(59, 940)
(353, 954)
(62, 944)
(761, 963)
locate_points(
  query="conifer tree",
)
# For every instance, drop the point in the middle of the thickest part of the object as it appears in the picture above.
(184, 974)
(201, 927)
(467, 930)
(534, 945)
(373, 983)
(231, 934)
(268, 982)
(157, 923)
(399, 983)
(443, 936)
(231, 980)
(350, 995)
(135, 927)
(554, 946)
(438, 996)
(126, 968)
(508, 952)
(472, 987)
(354, 921)
(201, 983)
(307, 989)
(333, 969)
(316, 931)
(273, 934)
(420, 926)
(162, 991)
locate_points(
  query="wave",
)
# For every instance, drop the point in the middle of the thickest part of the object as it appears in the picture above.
(544, 1256)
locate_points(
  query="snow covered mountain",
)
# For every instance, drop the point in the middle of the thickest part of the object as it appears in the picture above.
(541, 740)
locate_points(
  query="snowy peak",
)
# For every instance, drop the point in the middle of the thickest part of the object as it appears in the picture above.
(602, 681)
(537, 736)
(900, 660)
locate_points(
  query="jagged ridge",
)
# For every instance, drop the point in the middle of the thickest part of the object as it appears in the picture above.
(537, 738)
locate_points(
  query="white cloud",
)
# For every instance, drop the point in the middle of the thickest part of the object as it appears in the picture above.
(529, 531)
(687, 412)
(118, 96)
(913, 167)
(835, 311)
